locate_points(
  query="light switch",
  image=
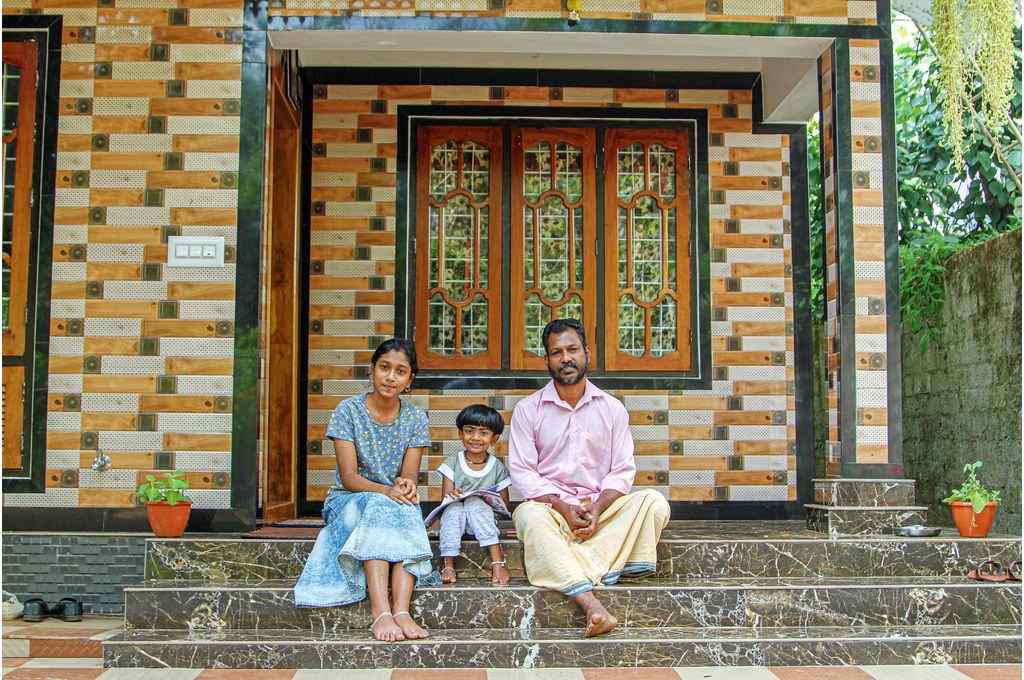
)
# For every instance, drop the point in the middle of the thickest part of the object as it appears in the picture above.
(195, 251)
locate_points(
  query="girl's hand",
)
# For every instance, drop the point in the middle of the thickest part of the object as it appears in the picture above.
(398, 494)
(455, 493)
(408, 489)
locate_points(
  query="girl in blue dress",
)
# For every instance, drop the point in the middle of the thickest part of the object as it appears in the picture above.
(374, 532)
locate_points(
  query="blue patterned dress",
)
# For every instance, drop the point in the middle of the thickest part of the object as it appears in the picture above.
(367, 525)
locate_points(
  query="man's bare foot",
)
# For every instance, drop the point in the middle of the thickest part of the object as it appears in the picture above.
(411, 629)
(499, 574)
(599, 622)
(448, 575)
(386, 630)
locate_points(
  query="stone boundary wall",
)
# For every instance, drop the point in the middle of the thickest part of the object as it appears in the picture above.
(962, 395)
(94, 568)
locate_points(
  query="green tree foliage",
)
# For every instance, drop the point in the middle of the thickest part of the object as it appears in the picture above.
(942, 209)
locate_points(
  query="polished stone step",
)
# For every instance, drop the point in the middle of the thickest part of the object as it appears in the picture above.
(644, 603)
(515, 648)
(687, 550)
(875, 493)
(844, 520)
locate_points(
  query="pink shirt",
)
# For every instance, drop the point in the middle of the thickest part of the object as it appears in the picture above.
(575, 453)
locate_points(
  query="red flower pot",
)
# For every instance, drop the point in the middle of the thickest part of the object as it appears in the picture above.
(971, 524)
(166, 520)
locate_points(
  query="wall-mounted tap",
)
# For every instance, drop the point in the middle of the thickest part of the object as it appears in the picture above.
(101, 463)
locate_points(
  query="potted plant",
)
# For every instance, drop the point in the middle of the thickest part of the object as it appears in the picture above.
(972, 505)
(167, 507)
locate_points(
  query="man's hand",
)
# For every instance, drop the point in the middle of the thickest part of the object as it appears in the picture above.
(574, 515)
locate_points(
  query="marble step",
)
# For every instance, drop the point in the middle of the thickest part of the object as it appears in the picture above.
(647, 603)
(515, 648)
(711, 553)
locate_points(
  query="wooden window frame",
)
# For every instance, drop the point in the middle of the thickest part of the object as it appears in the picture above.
(490, 137)
(522, 139)
(692, 122)
(615, 359)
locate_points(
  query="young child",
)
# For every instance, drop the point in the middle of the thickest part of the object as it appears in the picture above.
(474, 469)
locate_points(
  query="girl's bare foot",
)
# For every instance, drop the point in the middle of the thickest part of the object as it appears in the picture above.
(448, 575)
(386, 630)
(499, 574)
(411, 629)
(599, 622)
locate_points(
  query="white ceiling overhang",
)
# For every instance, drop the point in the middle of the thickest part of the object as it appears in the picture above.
(786, 64)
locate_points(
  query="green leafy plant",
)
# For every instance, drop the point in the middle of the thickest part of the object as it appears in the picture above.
(922, 282)
(972, 491)
(168, 488)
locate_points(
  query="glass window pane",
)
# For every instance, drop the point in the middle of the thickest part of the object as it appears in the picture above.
(663, 328)
(623, 282)
(528, 247)
(476, 172)
(537, 316)
(484, 216)
(536, 170)
(647, 279)
(442, 326)
(577, 224)
(12, 82)
(444, 169)
(554, 248)
(6, 292)
(663, 171)
(458, 247)
(631, 327)
(672, 248)
(568, 171)
(630, 165)
(572, 309)
(474, 326)
(434, 222)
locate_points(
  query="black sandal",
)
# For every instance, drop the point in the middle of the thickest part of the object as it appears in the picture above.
(68, 609)
(1013, 571)
(35, 610)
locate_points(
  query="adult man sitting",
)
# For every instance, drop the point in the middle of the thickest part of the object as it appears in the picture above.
(571, 457)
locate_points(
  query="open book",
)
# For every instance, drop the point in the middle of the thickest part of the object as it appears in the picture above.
(491, 497)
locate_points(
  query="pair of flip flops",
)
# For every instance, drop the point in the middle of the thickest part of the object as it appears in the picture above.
(68, 609)
(993, 571)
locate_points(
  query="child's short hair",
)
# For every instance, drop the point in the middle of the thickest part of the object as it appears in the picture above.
(481, 416)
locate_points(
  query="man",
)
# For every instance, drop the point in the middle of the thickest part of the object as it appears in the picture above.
(571, 458)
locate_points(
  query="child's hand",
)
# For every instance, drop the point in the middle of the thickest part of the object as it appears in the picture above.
(455, 493)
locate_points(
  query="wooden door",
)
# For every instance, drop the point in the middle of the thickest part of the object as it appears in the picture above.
(19, 101)
(281, 471)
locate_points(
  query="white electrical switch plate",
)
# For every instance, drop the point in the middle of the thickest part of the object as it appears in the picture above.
(195, 251)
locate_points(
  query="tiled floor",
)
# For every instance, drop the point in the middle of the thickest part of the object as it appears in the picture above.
(91, 669)
(53, 638)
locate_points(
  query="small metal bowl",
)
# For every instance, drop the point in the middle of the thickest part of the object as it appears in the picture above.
(918, 531)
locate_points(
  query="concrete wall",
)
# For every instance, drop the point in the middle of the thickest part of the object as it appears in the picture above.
(962, 396)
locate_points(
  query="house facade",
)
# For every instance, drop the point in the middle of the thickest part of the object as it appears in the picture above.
(454, 171)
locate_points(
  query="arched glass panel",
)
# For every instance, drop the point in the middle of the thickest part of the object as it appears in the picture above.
(554, 248)
(444, 169)
(459, 235)
(536, 170)
(442, 326)
(568, 171)
(631, 327)
(476, 170)
(647, 249)
(630, 164)
(474, 326)
(663, 171)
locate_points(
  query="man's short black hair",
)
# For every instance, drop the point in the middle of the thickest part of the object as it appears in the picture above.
(480, 416)
(558, 326)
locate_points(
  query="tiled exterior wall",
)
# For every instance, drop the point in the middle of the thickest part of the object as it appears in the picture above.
(141, 353)
(735, 441)
(848, 12)
(869, 252)
(867, 319)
